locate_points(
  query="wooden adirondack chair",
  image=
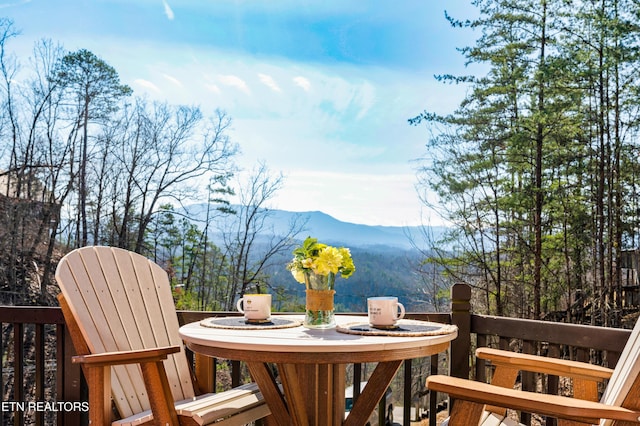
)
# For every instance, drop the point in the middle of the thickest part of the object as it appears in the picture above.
(120, 313)
(480, 403)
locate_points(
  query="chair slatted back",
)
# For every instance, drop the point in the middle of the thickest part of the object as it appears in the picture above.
(122, 301)
(626, 375)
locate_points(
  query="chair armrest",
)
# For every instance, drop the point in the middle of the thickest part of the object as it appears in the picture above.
(552, 405)
(545, 365)
(153, 373)
(125, 357)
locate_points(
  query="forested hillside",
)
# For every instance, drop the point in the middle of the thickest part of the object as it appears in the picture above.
(538, 167)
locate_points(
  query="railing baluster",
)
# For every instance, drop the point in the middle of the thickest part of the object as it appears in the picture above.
(235, 373)
(582, 354)
(39, 344)
(406, 394)
(481, 364)
(552, 381)
(18, 371)
(503, 343)
(215, 374)
(60, 367)
(4, 354)
(357, 380)
(382, 409)
(528, 378)
(433, 396)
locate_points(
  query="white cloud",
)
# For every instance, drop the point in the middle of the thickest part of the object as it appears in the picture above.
(168, 11)
(213, 88)
(173, 80)
(372, 199)
(268, 81)
(147, 85)
(367, 98)
(5, 5)
(302, 82)
(234, 81)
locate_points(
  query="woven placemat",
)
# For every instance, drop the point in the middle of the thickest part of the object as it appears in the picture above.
(402, 328)
(241, 323)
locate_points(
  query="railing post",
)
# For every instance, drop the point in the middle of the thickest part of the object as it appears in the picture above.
(70, 384)
(461, 317)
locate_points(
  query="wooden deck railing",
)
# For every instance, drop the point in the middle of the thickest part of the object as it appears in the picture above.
(597, 345)
(41, 386)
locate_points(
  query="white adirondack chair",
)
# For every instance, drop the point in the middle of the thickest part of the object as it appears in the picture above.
(486, 404)
(120, 313)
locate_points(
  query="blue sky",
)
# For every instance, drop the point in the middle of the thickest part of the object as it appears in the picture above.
(318, 90)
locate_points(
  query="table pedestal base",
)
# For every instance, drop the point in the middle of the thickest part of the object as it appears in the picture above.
(314, 394)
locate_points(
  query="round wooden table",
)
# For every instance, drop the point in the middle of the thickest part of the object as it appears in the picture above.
(311, 365)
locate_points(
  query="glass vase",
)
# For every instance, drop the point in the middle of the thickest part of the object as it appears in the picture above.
(319, 300)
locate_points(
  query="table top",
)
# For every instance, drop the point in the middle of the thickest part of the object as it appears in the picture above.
(310, 345)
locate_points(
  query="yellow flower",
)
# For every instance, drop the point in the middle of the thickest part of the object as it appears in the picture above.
(298, 274)
(348, 267)
(320, 259)
(329, 260)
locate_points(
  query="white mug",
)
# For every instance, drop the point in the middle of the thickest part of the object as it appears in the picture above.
(255, 307)
(383, 311)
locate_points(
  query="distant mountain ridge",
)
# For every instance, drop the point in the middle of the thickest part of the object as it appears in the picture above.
(385, 258)
(333, 231)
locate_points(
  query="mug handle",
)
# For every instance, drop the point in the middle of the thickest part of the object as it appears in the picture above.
(238, 305)
(401, 315)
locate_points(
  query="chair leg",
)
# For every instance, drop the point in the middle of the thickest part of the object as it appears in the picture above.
(99, 383)
(465, 413)
(157, 384)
